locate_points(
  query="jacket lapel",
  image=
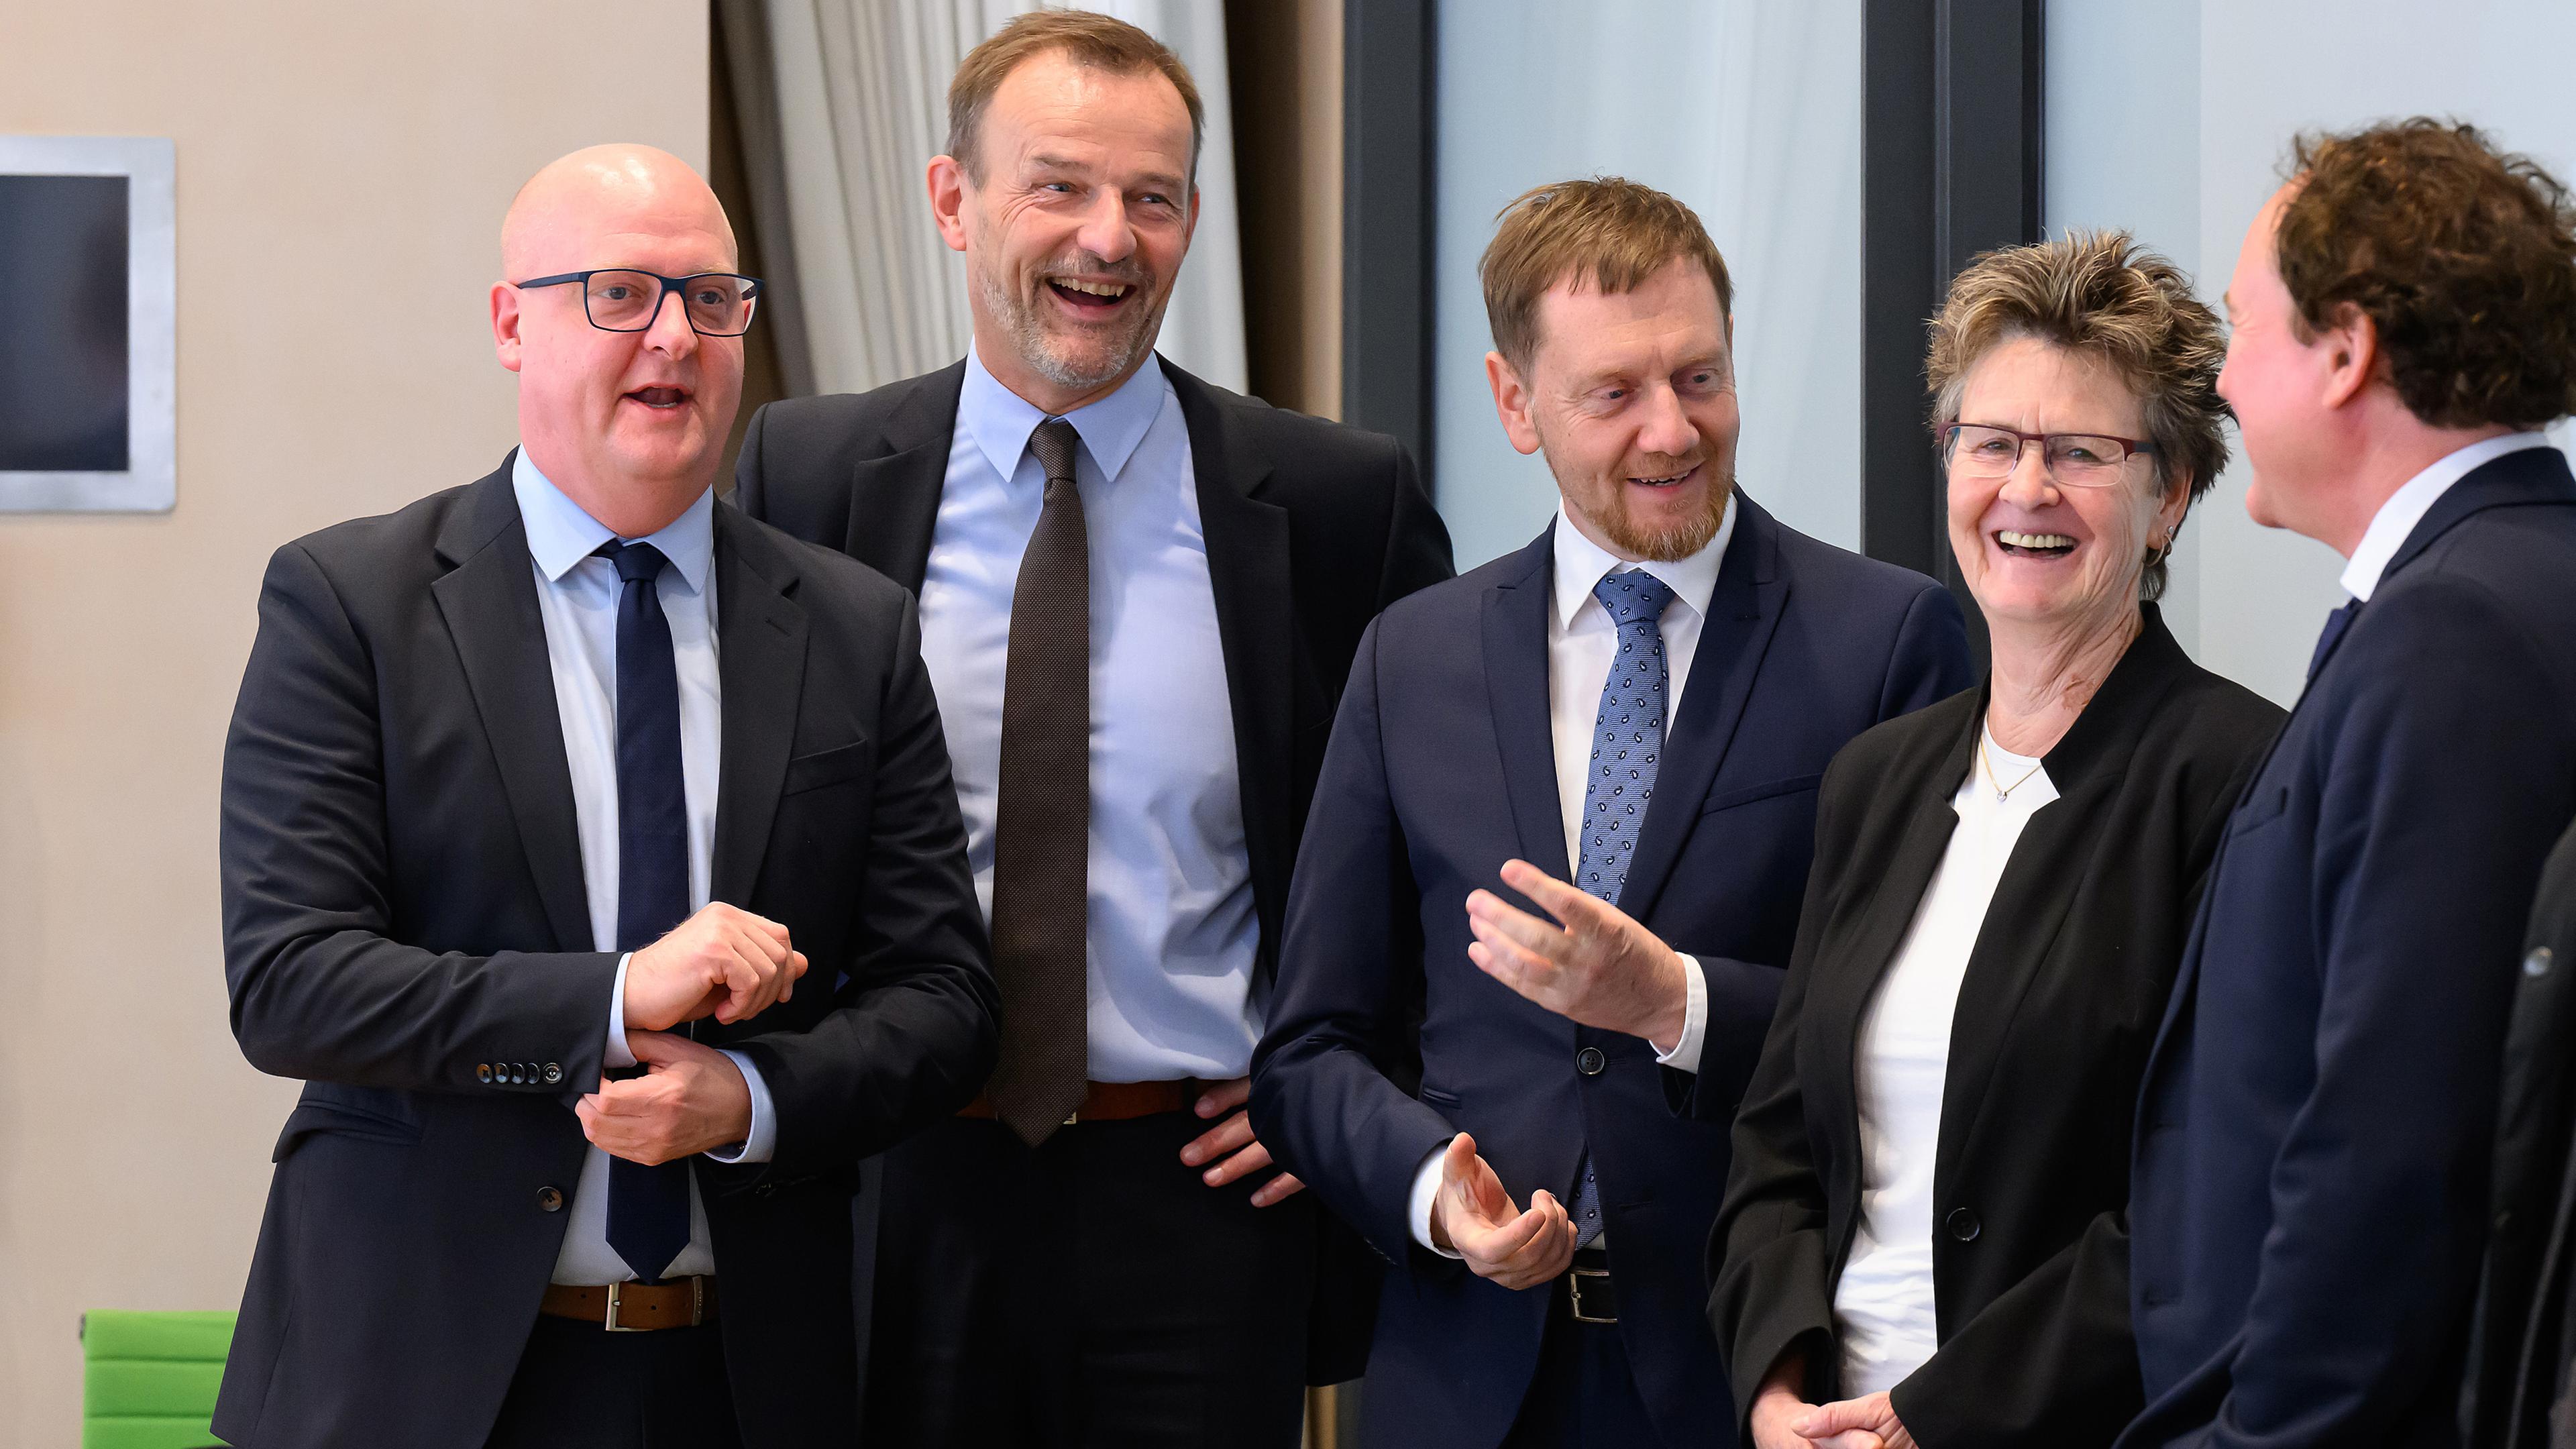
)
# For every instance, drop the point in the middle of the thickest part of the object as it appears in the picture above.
(489, 600)
(894, 497)
(1845, 984)
(1247, 552)
(2043, 874)
(1516, 689)
(760, 634)
(1743, 613)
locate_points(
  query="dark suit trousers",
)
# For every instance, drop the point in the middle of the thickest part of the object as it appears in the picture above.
(1583, 1395)
(1090, 1292)
(580, 1386)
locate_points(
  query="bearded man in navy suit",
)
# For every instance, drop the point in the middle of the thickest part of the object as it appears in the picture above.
(1621, 726)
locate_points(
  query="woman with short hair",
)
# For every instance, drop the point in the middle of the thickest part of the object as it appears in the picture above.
(1922, 1240)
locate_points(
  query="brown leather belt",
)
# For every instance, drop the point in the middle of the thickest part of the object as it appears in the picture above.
(635, 1307)
(1117, 1101)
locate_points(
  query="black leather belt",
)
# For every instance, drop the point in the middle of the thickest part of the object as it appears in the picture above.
(1589, 1293)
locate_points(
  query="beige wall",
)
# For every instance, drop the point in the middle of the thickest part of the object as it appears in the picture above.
(321, 145)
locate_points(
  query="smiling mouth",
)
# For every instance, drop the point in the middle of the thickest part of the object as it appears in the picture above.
(1085, 295)
(1674, 480)
(660, 399)
(2034, 545)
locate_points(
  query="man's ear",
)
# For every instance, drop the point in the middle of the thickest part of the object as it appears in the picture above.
(948, 182)
(1511, 402)
(506, 342)
(2351, 346)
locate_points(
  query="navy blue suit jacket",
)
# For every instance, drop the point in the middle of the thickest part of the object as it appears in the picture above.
(2309, 1193)
(1442, 767)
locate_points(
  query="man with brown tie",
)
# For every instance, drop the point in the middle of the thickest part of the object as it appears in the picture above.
(1140, 595)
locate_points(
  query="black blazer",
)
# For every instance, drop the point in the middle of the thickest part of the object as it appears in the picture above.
(1442, 768)
(405, 928)
(2061, 999)
(2522, 1355)
(1312, 528)
(2310, 1173)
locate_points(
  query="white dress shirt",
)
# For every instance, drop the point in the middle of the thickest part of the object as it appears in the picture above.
(1884, 1311)
(1169, 915)
(1582, 642)
(2407, 506)
(577, 599)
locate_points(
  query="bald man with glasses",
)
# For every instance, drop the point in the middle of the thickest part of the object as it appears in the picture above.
(590, 852)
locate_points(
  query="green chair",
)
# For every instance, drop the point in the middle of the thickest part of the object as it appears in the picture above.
(150, 1378)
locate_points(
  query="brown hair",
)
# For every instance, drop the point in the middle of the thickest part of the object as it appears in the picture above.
(1101, 42)
(2463, 258)
(1609, 230)
(2101, 295)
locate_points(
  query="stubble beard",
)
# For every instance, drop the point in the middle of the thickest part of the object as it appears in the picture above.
(1671, 543)
(1043, 353)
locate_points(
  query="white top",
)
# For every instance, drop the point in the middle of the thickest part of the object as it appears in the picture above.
(1883, 1307)
(1171, 931)
(1582, 640)
(577, 596)
(2407, 506)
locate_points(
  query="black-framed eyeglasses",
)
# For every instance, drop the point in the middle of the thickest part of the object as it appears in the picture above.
(623, 299)
(2076, 460)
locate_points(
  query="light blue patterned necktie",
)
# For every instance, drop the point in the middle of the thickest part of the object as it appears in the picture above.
(1627, 743)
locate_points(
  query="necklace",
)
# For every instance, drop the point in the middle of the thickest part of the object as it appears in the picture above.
(2003, 792)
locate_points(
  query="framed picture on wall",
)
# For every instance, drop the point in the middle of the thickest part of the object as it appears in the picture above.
(88, 325)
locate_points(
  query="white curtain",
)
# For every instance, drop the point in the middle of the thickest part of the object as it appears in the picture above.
(862, 90)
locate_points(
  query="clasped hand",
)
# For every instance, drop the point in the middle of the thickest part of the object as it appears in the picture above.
(722, 962)
(1595, 965)
(1783, 1419)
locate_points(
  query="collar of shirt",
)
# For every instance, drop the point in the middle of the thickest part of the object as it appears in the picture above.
(561, 535)
(1000, 420)
(1581, 563)
(2407, 506)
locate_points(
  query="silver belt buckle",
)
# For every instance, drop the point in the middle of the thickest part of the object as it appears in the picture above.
(697, 1307)
(1574, 1290)
(613, 1325)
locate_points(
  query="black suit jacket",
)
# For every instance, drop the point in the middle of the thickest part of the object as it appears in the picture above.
(2309, 1194)
(405, 927)
(1443, 767)
(1311, 527)
(2522, 1358)
(2066, 983)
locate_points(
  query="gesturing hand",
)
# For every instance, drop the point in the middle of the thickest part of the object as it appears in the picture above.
(1474, 1217)
(690, 1098)
(724, 961)
(1599, 968)
(1234, 1135)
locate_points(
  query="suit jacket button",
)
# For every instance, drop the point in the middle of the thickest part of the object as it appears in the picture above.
(554, 1073)
(1590, 1061)
(1963, 1225)
(483, 1073)
(549, 1199)
(2537, 963)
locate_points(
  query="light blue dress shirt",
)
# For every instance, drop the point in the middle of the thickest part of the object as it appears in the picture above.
(577, 599)
(1170, 915)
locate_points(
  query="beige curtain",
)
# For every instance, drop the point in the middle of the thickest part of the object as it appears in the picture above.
(861, 92)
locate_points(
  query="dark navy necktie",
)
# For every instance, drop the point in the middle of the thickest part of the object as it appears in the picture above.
(648, 1207)
(2336, 622)
(1627, 745)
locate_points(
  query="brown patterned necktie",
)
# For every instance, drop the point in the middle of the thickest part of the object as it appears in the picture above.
(1042, 813)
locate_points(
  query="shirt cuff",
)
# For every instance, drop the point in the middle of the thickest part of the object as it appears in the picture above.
(762, 1139)
(617, 1054)
(1426, 1192)
(1684, 1057)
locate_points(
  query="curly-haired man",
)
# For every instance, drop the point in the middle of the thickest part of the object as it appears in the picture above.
(2309, 1196)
